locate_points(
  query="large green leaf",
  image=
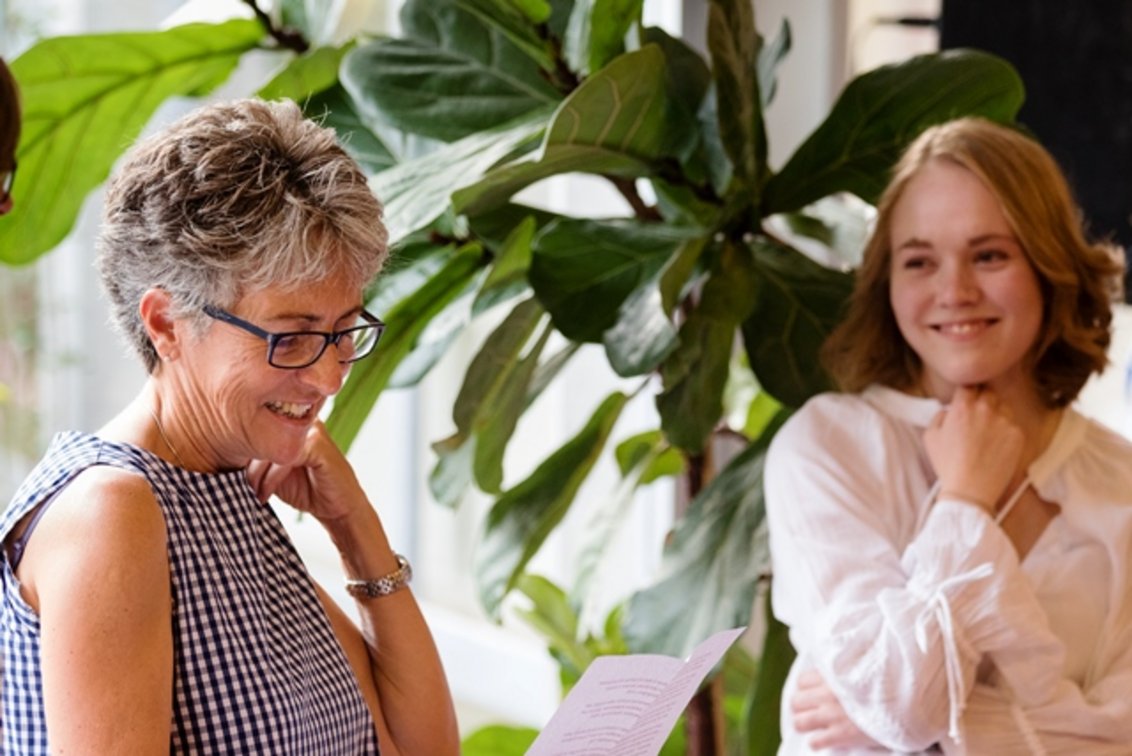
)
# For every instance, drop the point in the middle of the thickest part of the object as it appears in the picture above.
(614, 123)
(305, 75)
(495, 226)
(769, 58)
(642, 459)
(524, 516)
(553, 616)
(550, 369)
(519, 21)
(734, 45)
(508, 276)
(333, 107)
(687, 82)
(434, 341)
(764, 704)
(797, 304)
(451, 75)
(696, 373)
(411, 264)
(687, 190)
(499, 185)
(417, 191)
(649, 447)
(317, 22)
(712, 564)
(597, 30)
(85, 99)
(494, 392)
(294, 14)
(620, 107)
(880, 112)
(584, 270)
(505, 280)
(404, 323)
(498, 740)
(643, 334)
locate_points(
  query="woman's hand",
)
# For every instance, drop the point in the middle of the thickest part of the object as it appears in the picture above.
(817, 712)
(321, 482)
(975, 447)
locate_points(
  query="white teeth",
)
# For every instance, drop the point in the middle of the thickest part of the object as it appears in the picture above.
(290, 409)
(961, 329)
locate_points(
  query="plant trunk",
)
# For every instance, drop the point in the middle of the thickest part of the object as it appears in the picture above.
(701, 731)
(702, 723)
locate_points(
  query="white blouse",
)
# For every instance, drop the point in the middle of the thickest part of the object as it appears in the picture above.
(919, 615)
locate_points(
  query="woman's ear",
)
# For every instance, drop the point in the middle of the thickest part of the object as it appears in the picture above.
(156, 311)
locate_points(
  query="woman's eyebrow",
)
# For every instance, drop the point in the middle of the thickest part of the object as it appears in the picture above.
(312, 318)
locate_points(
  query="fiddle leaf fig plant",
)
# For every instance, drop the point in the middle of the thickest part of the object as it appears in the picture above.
(705, 277)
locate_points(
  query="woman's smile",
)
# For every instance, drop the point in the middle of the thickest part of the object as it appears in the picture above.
(963, 292)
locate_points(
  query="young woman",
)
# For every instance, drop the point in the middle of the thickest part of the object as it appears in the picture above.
(950, 538)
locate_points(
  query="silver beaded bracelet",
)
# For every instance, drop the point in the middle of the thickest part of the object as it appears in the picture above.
(382, 586)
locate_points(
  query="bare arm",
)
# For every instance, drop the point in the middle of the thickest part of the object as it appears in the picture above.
(97, 571)
(392, 651)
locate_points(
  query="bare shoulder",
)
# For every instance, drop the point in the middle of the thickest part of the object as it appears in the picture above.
(105, 526)
(112, 504)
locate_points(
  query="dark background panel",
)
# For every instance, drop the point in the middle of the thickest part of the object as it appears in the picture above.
(1075, 58)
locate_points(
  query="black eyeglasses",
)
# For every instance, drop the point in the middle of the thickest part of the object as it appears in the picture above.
(298, 349)
(6, 181)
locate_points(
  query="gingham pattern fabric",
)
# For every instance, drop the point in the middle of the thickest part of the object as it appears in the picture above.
(257, 668)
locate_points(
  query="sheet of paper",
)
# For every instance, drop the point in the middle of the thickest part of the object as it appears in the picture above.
(627, 705)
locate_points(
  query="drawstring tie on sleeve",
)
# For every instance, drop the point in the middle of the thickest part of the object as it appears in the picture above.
(938, 608)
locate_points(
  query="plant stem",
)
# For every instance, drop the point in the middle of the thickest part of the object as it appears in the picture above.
(287, 37)
(628, 189)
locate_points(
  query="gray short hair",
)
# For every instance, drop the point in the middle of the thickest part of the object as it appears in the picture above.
(232, 198)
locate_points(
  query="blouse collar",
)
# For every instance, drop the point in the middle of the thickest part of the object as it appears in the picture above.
(919, 411)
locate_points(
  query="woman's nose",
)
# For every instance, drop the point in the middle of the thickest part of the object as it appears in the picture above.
(958, 285)
(326, 373)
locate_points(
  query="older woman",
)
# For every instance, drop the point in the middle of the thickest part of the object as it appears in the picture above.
(9, 135)
(951, 539)
(152, 602)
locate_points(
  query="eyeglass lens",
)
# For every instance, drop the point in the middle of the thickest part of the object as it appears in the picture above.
(301, 349)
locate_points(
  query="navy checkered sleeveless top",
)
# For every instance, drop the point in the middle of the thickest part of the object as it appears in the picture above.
(257, 668)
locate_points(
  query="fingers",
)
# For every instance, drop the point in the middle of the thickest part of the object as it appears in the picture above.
(811, 678)
(814, 706)
(256, 472)
(266, 477)
(842, 734)
(819, 715)
(974, 447)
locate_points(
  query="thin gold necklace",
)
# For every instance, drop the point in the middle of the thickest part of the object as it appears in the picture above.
(165, 438)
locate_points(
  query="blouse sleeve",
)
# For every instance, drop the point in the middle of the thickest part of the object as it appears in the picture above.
(897, 633)
(1096, 721)
(1094, 718)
